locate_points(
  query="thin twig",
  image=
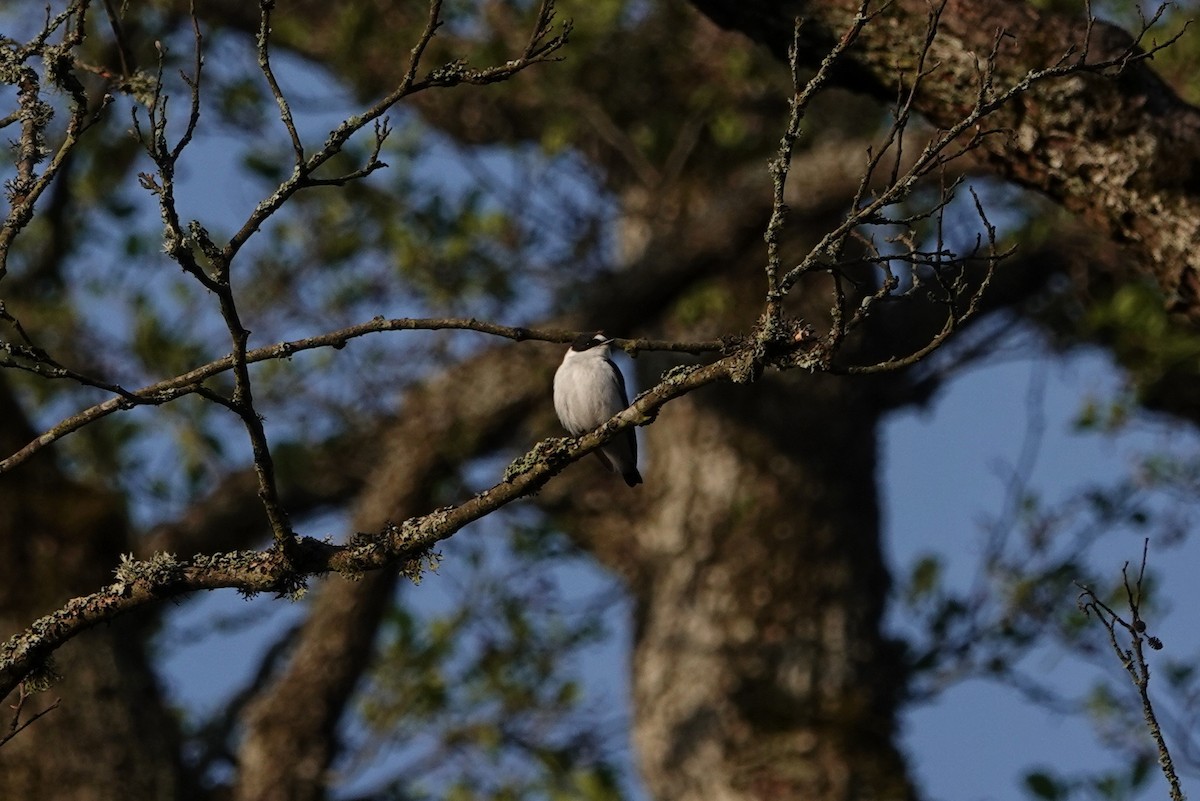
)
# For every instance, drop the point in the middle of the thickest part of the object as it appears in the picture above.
(264, 64)
(448, 75)
(171, 389)
(193, 82)
(1133, 658)
(16, 726)
(798, 106)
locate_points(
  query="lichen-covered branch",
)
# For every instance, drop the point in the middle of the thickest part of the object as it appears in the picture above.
(164, 576)
(35, 115)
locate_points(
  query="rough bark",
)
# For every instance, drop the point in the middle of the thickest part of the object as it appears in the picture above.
(760, 670)
(1122, 151)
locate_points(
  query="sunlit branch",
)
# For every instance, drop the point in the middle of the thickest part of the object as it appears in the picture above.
(215, 277)
(948, 271)
(801, 99)
(780, 343)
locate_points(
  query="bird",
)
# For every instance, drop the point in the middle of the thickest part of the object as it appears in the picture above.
(588, 390)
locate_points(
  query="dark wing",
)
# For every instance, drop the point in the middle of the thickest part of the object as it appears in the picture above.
(620, 382)
(626, 441)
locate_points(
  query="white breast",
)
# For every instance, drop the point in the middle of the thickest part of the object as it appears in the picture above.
(587, 391)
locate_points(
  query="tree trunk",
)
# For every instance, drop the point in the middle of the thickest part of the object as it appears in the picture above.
(111, 736)
(760, 671)
(760, 668)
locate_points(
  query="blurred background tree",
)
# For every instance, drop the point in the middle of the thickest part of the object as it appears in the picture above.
(623, 187)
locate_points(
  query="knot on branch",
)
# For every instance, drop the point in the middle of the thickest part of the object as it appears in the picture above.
(777, 341)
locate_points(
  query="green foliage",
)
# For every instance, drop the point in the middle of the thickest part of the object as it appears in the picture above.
(1106, 416)
(1042, 785)
(705, 301)
(1161, 355)
(485, 693)
(1116, 784)
(924, 579)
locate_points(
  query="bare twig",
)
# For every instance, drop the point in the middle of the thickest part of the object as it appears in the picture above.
(16, 725)
(801, 99)
(264, 64)
(193, 82)
(182, 246)
(114, 22)
(285, 567)
(1133, 657)
(946, 272)
(448, 75)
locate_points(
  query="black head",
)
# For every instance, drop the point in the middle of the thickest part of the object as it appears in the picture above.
(588, 341)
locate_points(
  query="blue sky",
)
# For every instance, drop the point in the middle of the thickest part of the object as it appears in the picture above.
(942, 473)
(940, 478)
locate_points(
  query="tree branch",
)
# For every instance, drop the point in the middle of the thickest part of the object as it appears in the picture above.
(448, 75)
(1133, 658)
(16, 725)
(189, 383)
(1122, 153)
(35, 114)
(164, 576)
